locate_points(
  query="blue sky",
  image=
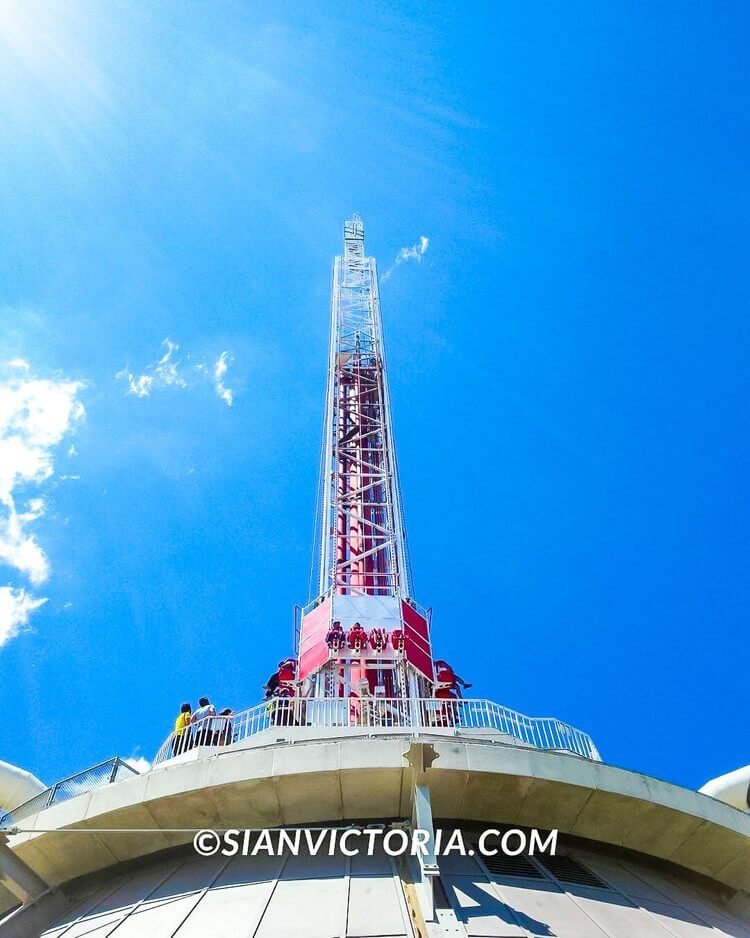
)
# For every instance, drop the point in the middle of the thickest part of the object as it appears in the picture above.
(569, 358)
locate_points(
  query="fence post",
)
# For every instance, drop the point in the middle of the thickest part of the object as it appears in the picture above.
(52, 793)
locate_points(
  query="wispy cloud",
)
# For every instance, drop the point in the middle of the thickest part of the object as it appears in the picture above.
(16, 605)
(19, 363)
(415, 253)
(35, 415)
(220, 369)
(162, 374)
(168, 371)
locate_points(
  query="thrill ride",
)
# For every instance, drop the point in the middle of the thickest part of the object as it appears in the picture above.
(363, 635)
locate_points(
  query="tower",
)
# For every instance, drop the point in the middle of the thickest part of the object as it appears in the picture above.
(363, 633)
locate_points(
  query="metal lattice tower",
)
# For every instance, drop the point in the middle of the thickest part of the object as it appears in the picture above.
(362, 538)
(364, 579)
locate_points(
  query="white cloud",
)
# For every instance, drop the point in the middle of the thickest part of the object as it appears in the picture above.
(166, 373)
(35, 415)
(162, 374)
(166, 369)
(415, 253)
(140, 386)
(220, 369)
(20, 549)
(19, 363)
(16, 605)
(139, 763)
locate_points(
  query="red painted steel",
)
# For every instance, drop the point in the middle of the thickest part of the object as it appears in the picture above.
(313, 651)
(416, 631)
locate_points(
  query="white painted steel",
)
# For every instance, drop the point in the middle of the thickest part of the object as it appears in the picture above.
(397, 714)
(17, 785)
(733, 788)
(356, 328)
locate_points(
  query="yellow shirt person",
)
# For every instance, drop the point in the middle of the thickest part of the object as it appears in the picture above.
(180, 737)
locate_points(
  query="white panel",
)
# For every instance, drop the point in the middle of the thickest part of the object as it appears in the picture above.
(728, 926)
(627, 881)
(705, 903)
(453, 864)
(103, 919)
(677, 892)
(243, 870)
(374, 907)
(82, 906)
(159, 919)
(617, 916)
(369, 611)
(313, 908)
(172, 902)
(228, 911)
(379, 864)
(543, 911)
(643, 882)
(306, 867)
(478, 907)
(679, 921)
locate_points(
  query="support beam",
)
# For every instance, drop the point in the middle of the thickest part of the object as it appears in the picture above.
(420, 757)
(19, 878)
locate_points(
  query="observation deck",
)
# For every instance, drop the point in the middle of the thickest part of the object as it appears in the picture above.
(325, 718)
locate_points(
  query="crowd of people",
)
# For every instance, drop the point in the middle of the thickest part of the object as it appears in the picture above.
(202, 727)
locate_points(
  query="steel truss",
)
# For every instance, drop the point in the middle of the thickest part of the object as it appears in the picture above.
(362, 536)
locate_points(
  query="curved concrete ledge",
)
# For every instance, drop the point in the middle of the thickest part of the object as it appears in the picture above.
(355, 778)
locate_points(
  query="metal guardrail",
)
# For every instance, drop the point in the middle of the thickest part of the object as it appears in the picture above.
(381, 713)
(113, 770)
(396, 714)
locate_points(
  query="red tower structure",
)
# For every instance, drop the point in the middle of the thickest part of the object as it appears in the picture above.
(363, 633)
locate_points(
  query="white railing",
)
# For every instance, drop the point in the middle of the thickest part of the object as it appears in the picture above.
(381, 714)
(105, 773)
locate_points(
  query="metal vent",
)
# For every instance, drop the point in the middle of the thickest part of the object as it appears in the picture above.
(568, 870)
(503, 865)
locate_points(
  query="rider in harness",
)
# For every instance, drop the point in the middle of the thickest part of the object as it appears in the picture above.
(378, 640)
(283, 676)
(447, 689)
(335, 637)
(447, 677)
(357, 637)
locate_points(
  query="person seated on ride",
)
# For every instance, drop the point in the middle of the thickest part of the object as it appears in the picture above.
(357, 637)
(378, 640)
(335, 636)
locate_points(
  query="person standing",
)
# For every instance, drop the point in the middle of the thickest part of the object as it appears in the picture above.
(201, 719)
(181, 735)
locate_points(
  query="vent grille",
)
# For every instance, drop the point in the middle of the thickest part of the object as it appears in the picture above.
(568, 870)
(503, 865)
